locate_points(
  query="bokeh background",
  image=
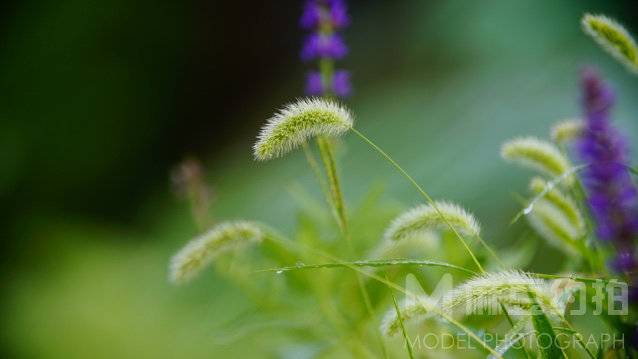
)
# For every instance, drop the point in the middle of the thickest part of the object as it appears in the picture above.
(101, 99)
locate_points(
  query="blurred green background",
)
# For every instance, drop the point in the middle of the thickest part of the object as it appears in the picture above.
(100, 99)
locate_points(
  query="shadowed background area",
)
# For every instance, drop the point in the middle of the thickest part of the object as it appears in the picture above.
(101, 99)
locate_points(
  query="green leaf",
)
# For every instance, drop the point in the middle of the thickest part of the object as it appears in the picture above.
(545, 335)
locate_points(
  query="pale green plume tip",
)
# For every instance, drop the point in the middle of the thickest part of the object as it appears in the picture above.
(612, 37)
(297, 122)
(550, 222)
(201, 251)
(424, 218)
(488, 291)
(562, 202)
(566, 131)
(536, 154)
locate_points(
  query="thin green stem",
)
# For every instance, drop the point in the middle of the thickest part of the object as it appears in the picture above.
(330, 166)
(316, 170)
(403, 331)
(392, 285)
(372, 264)
(422, 192)
(368, 304)
(572, 277)
(327, 155)
(491, 252)
(512, 324)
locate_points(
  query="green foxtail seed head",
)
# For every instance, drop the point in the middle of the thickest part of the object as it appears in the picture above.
(201, 251)
(566, 131)
(296, 122)
(412, 308)
(563, 203)
(486, 292)
(425, 218)
(612, 37)
(536, 154)
(551, 223)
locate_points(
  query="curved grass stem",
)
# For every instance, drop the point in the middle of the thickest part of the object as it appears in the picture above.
(372, 264)
(336, 196)
(403, 331)
(425, 195)
(327, 157)
(391, 285)
(316, 171)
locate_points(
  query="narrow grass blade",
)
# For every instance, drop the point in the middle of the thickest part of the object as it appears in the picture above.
(548, 187)
(403, 331)
(336, 196)
(473, 336)
(545, 334)
(371, 263)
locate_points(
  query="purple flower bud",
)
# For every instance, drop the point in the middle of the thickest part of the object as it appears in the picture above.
(314, 85)
(324, 46)
(338, 14)
(625, 261)
(311, 16)
(341, 83)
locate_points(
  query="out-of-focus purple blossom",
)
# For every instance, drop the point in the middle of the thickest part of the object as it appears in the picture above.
(625, 261)
(314, 84)
(323, 46)
(341, 83)
(338, 86)
(613, 197)
(338, 13)
(324, 18)
(311, 16)
(334, 12)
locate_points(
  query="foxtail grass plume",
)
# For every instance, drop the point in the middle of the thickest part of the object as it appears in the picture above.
(201, 251)
(296, 122)
(566, 131)
(612, 37)
(412, 308)
(551, 223)
(536, 154)
(485, 293)
(561, 201)
(424, 218)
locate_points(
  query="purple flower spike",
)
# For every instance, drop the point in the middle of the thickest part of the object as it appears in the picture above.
(324, 18)
(311, 16)
(612, 195)
(324, 46)
(341, 83)
(314, 86)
